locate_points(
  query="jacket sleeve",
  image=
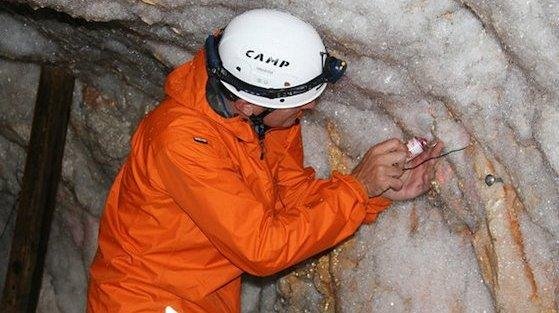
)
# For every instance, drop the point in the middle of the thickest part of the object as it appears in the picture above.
(297, 183)
(255, 237)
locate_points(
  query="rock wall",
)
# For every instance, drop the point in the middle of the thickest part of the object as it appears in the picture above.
(481, 74)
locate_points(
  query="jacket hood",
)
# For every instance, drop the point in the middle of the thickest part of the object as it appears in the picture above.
(187, 86)
(187, 83)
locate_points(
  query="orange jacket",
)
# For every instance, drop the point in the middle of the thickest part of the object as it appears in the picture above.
(194, 206)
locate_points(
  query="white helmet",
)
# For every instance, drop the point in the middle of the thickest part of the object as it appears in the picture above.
(272, 59)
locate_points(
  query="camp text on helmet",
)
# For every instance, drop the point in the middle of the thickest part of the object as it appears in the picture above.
(269, 59)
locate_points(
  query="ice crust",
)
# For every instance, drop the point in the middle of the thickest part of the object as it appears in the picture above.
(449, 282)
(478, 73)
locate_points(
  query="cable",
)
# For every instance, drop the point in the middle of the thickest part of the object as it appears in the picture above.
(380, 194)
(436, 157)
(429, 159)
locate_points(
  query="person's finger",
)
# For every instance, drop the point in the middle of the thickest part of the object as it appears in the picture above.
(433, 143)
(436, 149)
(394, 171)
(389, 145)
(395, 183)
(433, 152)
(420, 159)
(390, 158)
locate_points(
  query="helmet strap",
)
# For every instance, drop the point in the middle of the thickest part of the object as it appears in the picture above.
(218, 99)
(258, 122)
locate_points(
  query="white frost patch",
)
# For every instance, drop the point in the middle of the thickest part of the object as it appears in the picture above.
(170, 55)
(419, 264)
(548, 133)
(315, 146)
(19, 40)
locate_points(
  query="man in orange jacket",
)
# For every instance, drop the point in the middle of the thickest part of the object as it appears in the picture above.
(214, 185)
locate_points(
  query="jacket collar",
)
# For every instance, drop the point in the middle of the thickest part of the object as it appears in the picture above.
(187, 85)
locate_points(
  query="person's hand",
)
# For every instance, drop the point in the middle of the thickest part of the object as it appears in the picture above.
(382, 166)
(417, 181)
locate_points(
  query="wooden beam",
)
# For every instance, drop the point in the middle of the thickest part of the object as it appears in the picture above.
(38, 194)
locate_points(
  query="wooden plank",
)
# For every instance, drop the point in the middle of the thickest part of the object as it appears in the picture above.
(38, 194)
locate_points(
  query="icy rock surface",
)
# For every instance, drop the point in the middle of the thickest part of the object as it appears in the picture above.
(482, 74)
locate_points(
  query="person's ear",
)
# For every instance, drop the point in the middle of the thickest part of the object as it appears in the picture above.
(245, 108)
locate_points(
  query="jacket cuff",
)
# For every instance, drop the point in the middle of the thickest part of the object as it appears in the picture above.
(379, 203)
(374, 207)
(356, 186)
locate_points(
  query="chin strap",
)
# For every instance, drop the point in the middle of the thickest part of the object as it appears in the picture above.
(258, 123)
(259, 127)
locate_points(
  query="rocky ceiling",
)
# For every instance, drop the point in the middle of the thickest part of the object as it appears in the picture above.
(481, 74)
